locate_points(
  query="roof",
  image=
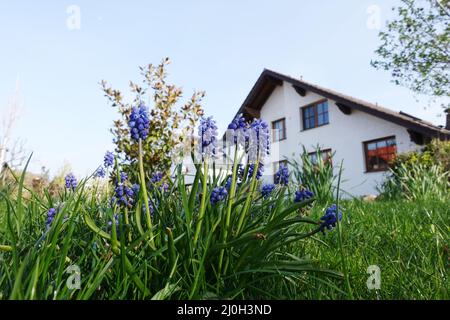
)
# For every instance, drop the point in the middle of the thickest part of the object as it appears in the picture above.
(269, 80)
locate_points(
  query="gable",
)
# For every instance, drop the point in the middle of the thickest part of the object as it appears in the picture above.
(269, 81)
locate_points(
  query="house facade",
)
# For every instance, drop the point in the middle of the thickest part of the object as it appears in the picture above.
(364, 136)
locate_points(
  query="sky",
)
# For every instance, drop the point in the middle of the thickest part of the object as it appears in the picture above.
(57, 58)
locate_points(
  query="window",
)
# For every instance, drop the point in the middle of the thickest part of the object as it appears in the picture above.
(279, 130)
(315, 115)
(379, 153)
(325, 154)
(276, 166)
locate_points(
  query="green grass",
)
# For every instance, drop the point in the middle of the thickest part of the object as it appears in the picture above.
(244, 247)
(407, 240)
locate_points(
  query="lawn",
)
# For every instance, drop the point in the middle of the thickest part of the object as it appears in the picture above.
(407, 240)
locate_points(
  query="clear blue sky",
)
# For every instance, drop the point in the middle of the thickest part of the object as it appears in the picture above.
(217, 46)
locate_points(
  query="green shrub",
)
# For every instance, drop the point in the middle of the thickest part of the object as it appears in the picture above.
(437, 152)
(179, 245)
(417, 182)
(318, 177)
(170, 123)
(420, 174)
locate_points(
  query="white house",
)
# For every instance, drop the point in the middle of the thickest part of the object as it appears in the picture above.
(364, 135)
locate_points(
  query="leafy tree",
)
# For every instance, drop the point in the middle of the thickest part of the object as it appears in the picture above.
(169, 126)
(415, 47)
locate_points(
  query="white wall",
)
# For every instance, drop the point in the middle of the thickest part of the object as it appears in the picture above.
(344, 135)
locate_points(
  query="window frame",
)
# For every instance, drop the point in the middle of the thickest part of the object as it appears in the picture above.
(314, 106)
(366, 155)
(277, 164)
(328, 151)
(284, 134)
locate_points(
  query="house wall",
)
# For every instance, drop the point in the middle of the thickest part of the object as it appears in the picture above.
(344, 134)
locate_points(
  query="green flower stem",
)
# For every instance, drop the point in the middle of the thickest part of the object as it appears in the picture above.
(127, 223)
(249, 199)
(107, 183)
(114, 242)
(115, 245)
(231, 199)
(247, 204)
(202, 203)
(144, 196)
(339, 229)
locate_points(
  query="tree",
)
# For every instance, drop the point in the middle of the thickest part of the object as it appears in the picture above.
(169, 126)
(12, 153)
(415, 47)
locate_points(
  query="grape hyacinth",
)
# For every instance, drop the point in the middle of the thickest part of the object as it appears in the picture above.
(267, 189)
(228, 183)
(302, 195)
(150, 207)
(71, 181)
(100, 173)
(330, 218)
(123, 177)
(50, 216)
(282, 175)
(259, 172)
(116, 222)
(238, 130)
(240, 172)
(136, 187)
(218, 194)
(207, 132)
(139, 122)
(123, 195)
(156, 177)
(108, 160)
(259, 142)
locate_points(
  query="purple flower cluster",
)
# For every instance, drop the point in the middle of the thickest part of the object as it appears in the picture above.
(157, 180)
(116, 222)
(123, 195)
(139, 122)
(71, 182)
(136, 187)
(241, 172)
(50, 216)
(282, 175)
(100, 173)
(150, 207)
(267, 189)
(259, 140)
(207, 132)
(108, 160)
(228, 183)
(218, 194)
(156, 177)
(238, 130)
(330, 218)
(302, 195)
(259, 171)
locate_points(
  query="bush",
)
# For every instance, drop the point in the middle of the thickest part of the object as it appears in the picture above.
(169, 125)
(218, 238)
(417, 182)
(318, 177)
(420, 174)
